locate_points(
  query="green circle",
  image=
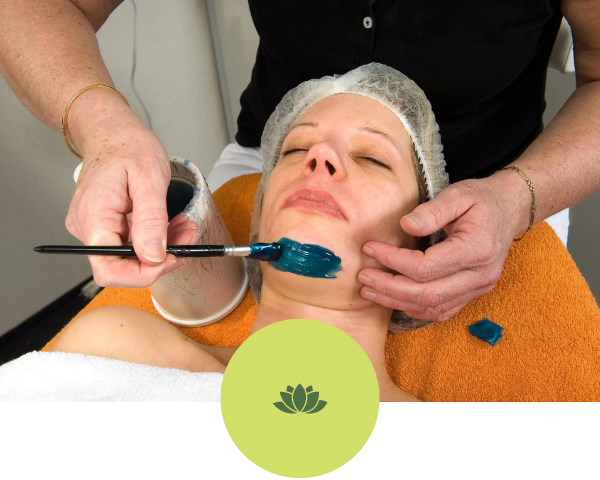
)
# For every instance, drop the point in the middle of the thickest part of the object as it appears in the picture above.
(300, 354)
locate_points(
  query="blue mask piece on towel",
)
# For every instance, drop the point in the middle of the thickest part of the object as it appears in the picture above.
(486, 331)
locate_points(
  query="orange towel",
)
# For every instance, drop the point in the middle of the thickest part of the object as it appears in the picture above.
(550, 349)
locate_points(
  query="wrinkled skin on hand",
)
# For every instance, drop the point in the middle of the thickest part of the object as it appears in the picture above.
(481, 218)
(120, 199)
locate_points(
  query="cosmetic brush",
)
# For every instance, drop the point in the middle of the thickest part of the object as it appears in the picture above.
(266, 252)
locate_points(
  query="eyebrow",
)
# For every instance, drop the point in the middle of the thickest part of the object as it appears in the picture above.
(305, 124)
(377, 132)
(383, 134)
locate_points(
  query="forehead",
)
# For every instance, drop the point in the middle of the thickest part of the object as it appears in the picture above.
(348, 111)
(353, 107)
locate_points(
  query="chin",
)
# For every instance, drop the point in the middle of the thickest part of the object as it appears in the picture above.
(341, 293)
(322, 230)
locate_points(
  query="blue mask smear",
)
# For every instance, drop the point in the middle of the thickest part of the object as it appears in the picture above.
(307, 260)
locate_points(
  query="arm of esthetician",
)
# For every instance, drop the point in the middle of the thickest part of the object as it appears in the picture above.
(482, 217)
(48, 53)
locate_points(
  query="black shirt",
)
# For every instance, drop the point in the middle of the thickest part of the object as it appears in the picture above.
(481, 63)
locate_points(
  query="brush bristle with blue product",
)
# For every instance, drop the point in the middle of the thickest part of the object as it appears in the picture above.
(266, 252)
(307, 259)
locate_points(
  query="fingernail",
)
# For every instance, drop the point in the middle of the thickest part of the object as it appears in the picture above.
(369, 251)
(415, 219)
(366, 280)
(370, 296)
(155, 250)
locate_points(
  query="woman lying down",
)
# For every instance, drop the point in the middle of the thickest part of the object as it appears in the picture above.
(366, 145)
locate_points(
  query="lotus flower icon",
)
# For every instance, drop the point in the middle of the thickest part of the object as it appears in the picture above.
(298, 400)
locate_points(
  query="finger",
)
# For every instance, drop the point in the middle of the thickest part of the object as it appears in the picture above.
(184, 236)
(445, 258)
(438, 313)
(174, 231)
(99, 211)
(95, 227)
(104, 226)
(149, 220)
(129, 229)
(441, 313)
(447, 316)
(447, 206)
(178, 220)
(103, 222)
(114, 271)
(172, 266)
(128, 272)
(185, 233)
(429, 294)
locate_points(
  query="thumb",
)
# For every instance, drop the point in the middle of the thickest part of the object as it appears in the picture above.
(431, 216)
(149, 221)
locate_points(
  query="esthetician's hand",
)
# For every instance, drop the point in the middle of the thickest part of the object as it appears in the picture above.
(481, 218)
(125, 171)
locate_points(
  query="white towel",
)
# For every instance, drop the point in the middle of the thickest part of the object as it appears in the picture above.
(58, 376)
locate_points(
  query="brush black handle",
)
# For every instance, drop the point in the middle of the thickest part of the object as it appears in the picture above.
(124, 251)
(197, 250)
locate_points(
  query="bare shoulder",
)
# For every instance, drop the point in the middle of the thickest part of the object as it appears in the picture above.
(133, 335)
(223, 354)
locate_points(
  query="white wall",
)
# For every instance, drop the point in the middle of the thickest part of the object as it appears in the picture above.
(236, 42)
(177, 79)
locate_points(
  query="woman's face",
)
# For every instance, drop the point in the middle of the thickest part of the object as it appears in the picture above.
(345, 176)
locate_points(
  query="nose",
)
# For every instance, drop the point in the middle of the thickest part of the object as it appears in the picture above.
(324, 160)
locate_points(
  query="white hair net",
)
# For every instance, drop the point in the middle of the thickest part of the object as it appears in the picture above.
(393, 90)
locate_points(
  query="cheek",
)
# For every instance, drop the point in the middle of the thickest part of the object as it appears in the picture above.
(275, 188)
(265, 218)
(381, 213)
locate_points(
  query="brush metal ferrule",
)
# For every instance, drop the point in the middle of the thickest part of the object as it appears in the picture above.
(237, 250)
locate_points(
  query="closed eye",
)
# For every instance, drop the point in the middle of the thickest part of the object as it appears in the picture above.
(376, 162)
(293, 150)
(370, 159)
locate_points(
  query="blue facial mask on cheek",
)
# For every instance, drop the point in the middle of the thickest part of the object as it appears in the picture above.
(307, 260)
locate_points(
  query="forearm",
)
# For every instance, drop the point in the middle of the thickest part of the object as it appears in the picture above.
(48, 52)
(563, 162)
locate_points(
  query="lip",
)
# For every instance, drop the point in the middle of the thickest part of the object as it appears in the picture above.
(315, 201)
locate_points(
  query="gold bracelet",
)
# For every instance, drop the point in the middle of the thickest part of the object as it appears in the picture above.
(532, 189)
(64, 117)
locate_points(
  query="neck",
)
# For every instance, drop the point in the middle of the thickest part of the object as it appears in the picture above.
(368, 327)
